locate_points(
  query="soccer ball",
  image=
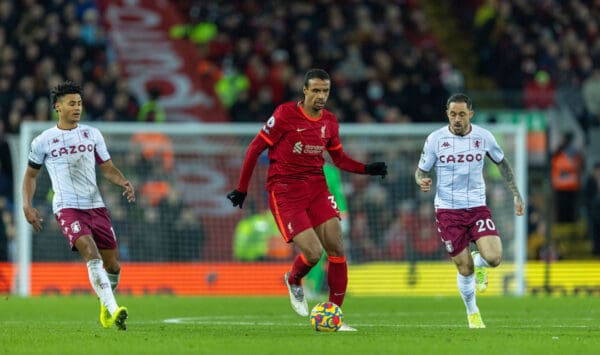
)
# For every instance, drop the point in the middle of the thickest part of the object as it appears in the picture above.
(326, 317)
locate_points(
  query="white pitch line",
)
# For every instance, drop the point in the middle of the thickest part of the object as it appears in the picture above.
(230, 320)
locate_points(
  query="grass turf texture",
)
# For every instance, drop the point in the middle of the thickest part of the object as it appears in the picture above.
(206, 325)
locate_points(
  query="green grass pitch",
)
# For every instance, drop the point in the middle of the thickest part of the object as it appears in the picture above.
(256, 325)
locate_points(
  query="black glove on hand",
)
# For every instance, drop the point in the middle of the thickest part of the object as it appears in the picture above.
(378, 168)
(236, 197)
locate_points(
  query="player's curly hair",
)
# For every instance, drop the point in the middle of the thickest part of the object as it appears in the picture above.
(62, 89)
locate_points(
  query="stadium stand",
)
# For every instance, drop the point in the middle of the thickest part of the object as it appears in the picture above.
(385, 50)
(44, 42)
(543, 55)
(390, 60)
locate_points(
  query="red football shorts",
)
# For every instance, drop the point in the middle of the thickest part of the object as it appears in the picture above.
(95, 222)
(298, 207)
(461, 226)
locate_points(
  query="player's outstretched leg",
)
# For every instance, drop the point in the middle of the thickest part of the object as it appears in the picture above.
(481, 274)
(475, 321)
(297, 299)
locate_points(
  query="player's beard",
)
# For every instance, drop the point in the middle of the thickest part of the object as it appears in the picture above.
(460, 129)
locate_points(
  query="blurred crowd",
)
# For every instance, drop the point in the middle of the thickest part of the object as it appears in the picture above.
(548, 50)
(45, 42)
(41, 44)
(386, 63)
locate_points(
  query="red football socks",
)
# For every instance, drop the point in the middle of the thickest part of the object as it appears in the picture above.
(300, 268)
(337, 278)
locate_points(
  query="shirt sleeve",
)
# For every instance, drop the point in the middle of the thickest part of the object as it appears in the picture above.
(494, 150)
(274, 129)
(334, 142)
(428, 156)
(336, 151)
(37, 155)
(255, 148)
(100, 150)
(344, 162)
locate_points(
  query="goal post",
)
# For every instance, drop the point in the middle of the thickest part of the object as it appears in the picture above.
(183, 225)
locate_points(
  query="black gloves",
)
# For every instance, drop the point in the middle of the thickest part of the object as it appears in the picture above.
(236, 197)
(378, 168)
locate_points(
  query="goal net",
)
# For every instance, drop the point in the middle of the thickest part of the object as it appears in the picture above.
(183, 236)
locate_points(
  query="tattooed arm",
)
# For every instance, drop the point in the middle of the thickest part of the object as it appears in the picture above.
(509, 176)
(423, 179)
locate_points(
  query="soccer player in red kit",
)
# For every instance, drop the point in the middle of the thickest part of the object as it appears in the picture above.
(296, 135)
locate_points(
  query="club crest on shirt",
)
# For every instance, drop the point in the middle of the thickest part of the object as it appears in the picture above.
(75, 227)
(86, 134)
(477, 143)
(323, 131)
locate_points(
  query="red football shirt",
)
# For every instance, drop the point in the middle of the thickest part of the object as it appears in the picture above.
(297, 142)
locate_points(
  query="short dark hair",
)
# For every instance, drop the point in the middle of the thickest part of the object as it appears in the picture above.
(315, 73)
(62, 89)
(460, 98)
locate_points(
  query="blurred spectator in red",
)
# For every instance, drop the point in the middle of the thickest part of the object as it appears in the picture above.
(539, 92)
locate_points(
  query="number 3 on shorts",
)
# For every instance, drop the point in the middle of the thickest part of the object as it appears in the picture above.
(484, 225)
(333, 203)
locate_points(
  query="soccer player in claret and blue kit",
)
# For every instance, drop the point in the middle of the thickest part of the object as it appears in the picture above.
(296, 136)
(70, 152)
(457, 153)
